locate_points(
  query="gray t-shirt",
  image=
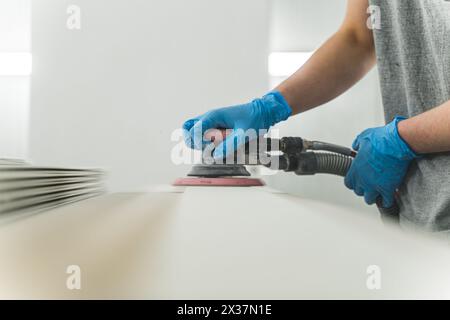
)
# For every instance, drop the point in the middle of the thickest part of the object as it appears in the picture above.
(413, 53)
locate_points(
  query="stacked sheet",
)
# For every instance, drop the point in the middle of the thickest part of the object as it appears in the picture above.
(29, 188)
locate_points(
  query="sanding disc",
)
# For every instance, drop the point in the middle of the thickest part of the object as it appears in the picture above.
(218, 170)
(218, 182)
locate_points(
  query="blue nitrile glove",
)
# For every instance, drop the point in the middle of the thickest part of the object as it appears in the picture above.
(260, 114)
(381, 164)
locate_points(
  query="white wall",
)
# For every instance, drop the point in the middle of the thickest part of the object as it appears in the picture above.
(111, 94)
(15, 20)
(302, 25)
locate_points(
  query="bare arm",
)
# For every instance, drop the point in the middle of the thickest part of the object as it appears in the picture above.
(336, 66)
(428, 132)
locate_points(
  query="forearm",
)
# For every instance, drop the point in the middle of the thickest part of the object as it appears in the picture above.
(335, 67)
(428, 132)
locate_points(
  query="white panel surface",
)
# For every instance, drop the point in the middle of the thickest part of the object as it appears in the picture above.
(216, 243)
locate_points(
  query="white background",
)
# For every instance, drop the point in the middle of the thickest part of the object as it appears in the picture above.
(302, 25)
(15, 21)
(110, 95)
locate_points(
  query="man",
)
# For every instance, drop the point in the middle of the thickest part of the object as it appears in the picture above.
(411, 154)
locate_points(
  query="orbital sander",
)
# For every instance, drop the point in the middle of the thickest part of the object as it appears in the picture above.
(228, 173)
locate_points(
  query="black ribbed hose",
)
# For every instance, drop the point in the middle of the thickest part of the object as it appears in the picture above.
(330, 163)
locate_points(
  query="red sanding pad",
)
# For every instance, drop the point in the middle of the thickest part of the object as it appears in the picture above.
(218, 182)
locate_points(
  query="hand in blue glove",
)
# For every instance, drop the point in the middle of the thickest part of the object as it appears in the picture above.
(381, 164)
(260, 114)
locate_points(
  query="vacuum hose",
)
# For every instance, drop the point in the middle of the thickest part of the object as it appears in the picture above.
(336, 164)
